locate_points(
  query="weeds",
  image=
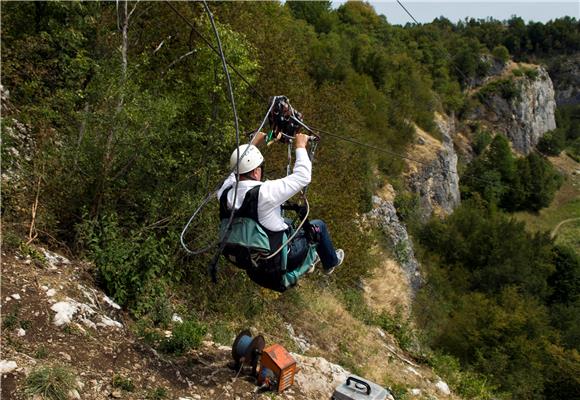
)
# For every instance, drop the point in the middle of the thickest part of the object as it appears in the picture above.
(398, 327)
(222, 333)
(186, 335)
(50, 382)
(10, 240)
(398, 391)
(25, 324)
(31, 251)
(157, 394)
(468, 384)
(145, 331)
(123, 383)
(10, 321)
(41, 353)
(161, 312)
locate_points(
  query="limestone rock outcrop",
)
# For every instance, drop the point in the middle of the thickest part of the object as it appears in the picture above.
(385, 216)
(436, 180)
(525, 113)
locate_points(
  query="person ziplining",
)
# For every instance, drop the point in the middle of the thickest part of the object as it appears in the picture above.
(258, 227)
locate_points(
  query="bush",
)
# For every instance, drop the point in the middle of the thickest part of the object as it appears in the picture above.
(504, 88)
(470, 385)
(481, 140)
(157, 394)
(399, 328)
(187, 335)
(50, 383)
(573, 150)
(129, 262)
(407, 205)
(123, 383)
(501, 53)
(552, 143)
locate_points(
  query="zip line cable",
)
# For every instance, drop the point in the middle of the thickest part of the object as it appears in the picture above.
(208, 43)
(446, 53)
(407, 11)
(223, 237)
(354, 141)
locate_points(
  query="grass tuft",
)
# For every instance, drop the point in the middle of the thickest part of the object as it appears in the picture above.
(157, 394)
(123, 383)
(50, 383)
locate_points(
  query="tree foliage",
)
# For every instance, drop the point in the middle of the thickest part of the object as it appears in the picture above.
(505, 303)
(501, 179)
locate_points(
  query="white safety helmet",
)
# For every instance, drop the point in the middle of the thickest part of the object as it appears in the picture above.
(251, 159)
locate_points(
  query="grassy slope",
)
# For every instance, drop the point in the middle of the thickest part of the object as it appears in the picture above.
(318, 316)
(566, 205)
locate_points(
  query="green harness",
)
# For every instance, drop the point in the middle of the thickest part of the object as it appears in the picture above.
(248, 243)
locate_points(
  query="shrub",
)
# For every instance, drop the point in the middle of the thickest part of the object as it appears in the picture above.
(187, 335)
(161, 311)
(398, 327)
(407, 205)
(10, 321)
(504, 88)
(50, 382)
(468, 384)
(129, 262)
(144, 330)
(41, 352)
(574, 150)
(530, 73)
(123, 383)
(481, 140)
(552, 143)
(501, 53)
(157, 394)
(222, 333)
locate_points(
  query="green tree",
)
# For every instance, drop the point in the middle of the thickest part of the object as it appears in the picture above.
(539, 181)
(317, 13)
(501, 53)
(553, 142)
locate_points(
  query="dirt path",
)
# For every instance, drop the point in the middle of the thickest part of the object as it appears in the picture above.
(555, 231)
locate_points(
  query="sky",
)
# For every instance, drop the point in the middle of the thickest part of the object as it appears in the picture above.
(455, 10)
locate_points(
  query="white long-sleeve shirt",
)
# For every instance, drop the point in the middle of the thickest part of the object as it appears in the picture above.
(272, 193)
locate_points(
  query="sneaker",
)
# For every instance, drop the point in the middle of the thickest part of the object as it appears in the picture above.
(313, 266)
(340, 256)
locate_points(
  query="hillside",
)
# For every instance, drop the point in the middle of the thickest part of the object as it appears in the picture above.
(54, 316)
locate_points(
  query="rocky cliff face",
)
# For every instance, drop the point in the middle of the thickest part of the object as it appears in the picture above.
(523, 109)
(385, 216)
(436, 181)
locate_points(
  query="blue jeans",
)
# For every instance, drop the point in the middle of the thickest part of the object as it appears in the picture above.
(298, 248)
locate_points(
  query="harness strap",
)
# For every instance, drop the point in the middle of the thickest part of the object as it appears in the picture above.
(265, 272)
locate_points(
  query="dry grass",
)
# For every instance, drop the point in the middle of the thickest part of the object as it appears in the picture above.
(426, 152)
(343, 339)
(388, 289)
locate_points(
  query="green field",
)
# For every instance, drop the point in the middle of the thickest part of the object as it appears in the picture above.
(566, 205)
